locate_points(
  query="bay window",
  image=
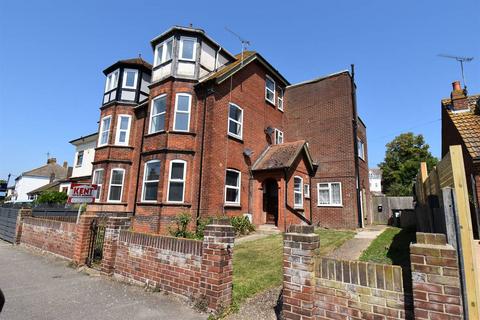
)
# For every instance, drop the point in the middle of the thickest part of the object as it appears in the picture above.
(98, 180)
(151, 177)
(181, 121)
(163, 52)
(116, 185)
(187, 48)
(123, 130)
(112, 80)
(104, 130)
(176, 181)
(130, 77)
(157, 114)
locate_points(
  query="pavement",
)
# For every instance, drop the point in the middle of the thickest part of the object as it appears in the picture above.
(38, 286)
(353, 248)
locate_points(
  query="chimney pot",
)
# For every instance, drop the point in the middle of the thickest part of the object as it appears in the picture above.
(52, 160)
(456, 86)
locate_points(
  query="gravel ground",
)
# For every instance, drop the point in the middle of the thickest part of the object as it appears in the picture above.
(263, 306)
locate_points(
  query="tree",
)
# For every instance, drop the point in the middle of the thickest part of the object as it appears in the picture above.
(402, 162)
(52, 197)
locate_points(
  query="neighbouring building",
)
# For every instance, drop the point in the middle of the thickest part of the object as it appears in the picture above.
(375, 179)
(30, 180)
(210, 133)
(461, 126)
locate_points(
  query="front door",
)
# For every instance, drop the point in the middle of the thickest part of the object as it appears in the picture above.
(270, 201)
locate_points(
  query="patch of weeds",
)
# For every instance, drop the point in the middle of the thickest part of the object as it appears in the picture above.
(201, 303)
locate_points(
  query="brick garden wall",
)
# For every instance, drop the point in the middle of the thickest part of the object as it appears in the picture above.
(54, 236)
(321, 288)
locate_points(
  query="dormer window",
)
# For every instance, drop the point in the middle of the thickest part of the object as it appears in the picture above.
(130, 78)
(112, 81)
(163, 52)
(270, 90)
(187, 48)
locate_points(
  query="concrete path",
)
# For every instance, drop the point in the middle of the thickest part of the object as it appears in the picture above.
(261, 232)
(353, 248)
(43, 287)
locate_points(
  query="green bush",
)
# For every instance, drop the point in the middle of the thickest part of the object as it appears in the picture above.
(180, 227)
(201, 224)
(52, 197)
(242, 225)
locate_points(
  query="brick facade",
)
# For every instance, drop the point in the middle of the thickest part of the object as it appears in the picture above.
(321, 288)
(208, 150)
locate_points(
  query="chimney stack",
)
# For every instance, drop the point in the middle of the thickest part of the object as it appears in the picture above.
(51, 160)
(65, 164)
(459, 97)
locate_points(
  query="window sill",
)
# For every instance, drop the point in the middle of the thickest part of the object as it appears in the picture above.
(330, 205)
(232, 205)
(155, 133)
(176, 204)
(187, 133)
(161, 64)
(299, 208)
(235, 138)
(113, 146)
(272, 103)
(112, 202)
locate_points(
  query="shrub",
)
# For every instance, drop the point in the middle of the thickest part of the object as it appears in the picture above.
(201, 224)
(180, 229)
(52, 197)
(242, 225)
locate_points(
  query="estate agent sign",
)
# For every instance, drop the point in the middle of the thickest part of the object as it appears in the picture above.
(82, 193)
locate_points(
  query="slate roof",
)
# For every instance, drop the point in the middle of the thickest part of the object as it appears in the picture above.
(47, 170)
(281, 156)
(248, 56)
(135, 62)
(467, 123)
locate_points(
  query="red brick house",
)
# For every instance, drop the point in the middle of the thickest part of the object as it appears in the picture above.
(461, 126)
(209, 133)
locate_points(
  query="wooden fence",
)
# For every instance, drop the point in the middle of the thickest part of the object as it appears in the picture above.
(442, 206)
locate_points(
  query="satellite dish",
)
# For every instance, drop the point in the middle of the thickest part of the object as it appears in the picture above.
(269, 130)
(248, 152)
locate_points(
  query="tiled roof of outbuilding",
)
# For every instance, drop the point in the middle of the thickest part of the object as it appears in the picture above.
(280, 156)
(467, 123)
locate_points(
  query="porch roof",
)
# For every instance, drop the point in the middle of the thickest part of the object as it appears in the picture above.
(282, 156)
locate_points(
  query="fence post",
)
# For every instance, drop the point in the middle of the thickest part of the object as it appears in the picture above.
(299, 245)
(216, 267)
(82, 239)
(435, 277)
(110, 242)
(22, 213)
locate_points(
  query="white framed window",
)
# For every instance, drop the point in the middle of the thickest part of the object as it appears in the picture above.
(157, 114)
(79, 160)
(235, 121)
(280, 99)
(306, 190)
(270, 90)
(112, 80)
(297, 192)
(115, 191)
(104, 130)
(97, 179)
(329, 194)
(151, 177)
(361, 149)
(181, 121)
(187, 48)
(232, 186)
(278, 136)
(123, 130)
(163, 52)
(130, 77)
(176, 181)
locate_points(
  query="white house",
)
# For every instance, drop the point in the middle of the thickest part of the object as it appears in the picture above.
(36, 178)
(375, 178)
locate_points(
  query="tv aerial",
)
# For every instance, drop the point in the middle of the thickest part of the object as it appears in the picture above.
(245, 43)
(461, 60)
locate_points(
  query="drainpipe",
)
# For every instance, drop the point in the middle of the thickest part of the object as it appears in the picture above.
(310, 198)
(355, 144)
(139, 163)
(208, 91)
(286, 201)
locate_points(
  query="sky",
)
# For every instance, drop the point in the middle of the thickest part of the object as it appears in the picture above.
(52, 54)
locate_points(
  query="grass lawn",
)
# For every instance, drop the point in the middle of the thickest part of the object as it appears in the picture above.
(257, 265)
(391, 247)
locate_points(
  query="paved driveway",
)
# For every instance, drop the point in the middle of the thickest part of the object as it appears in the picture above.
(43, 287)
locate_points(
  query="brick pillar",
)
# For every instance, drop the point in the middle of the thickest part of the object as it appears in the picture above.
(82, 239)
(436, 279)
(299, 245)
(217, 269)
(110, 242)
(22, 213)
